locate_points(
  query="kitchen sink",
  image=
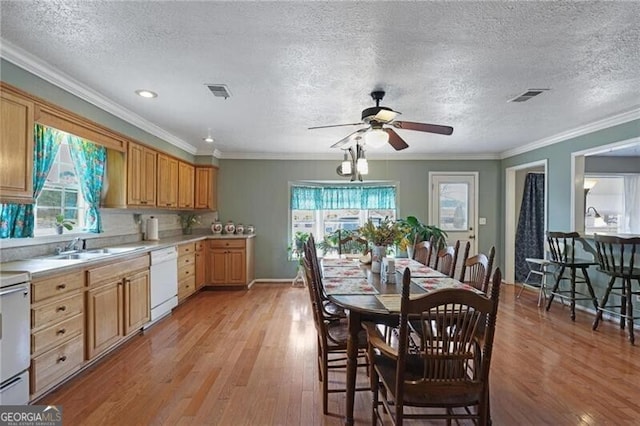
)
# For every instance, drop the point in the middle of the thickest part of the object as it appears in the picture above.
(77, 256)
(92, 254)
(114, 250)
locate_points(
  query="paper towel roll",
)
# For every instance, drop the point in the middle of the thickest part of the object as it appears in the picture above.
(152, 228)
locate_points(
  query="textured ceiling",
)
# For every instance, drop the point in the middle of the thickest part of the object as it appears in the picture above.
(294, 65)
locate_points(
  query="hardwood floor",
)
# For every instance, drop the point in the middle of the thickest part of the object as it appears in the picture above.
(249, 358)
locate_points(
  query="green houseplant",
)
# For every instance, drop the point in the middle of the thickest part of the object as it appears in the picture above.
(61, 223)
(415, 231)
(386, 233)
(297, 248)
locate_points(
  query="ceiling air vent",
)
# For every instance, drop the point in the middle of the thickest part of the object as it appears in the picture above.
(219, 90)
(530, 93)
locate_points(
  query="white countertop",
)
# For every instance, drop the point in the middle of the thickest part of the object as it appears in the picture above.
(42, 266)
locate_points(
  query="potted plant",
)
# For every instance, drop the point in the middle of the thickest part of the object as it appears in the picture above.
(386, 233)
(416, 231)
(61, 223)
(297, 248)
(187, 220)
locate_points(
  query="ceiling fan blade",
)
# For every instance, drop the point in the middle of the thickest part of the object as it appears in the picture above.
(353, 136)
(395, 140)
(335, 125)
(423, 127)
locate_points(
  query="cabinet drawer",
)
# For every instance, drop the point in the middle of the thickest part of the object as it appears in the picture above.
(117, 269)
(57, 310)
(61, 284)
(199, 245)
(186, 260)
(53, 365)
(235, 243)
(186, 249)
(186, 287)
(186, 271)
(56, 334)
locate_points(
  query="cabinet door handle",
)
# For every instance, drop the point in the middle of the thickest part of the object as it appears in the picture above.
(62, 286)
(61, 308)
(61, 331)
(63, 358)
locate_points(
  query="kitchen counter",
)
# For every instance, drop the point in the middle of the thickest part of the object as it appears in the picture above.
(42, 266)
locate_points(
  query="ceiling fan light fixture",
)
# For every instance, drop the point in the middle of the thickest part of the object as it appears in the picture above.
(346, 164)
(386, 115)
(376, 138)
(362, 166)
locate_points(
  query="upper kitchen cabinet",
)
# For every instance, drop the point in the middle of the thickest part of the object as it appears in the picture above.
(141, 176)
(167, 181)
(16, 148)
(206, 188)
(186, 179)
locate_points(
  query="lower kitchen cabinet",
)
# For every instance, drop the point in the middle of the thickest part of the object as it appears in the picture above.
(118, 302)
(57, 329)
(186, 270)
(231, 262)
(201, 265)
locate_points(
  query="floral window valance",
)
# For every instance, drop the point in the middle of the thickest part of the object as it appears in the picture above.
(343, 197)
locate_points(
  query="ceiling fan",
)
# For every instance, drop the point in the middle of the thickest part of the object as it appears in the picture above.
(377, 134)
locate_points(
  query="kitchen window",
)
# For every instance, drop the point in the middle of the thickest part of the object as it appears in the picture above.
(612, 203)
(61, 195)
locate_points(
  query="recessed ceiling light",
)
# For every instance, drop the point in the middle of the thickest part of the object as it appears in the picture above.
(209, 138)
(146, 93)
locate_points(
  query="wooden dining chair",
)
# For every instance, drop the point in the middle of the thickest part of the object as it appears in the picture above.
(465, 256)
(331, 310)
(331, 335)
(422, 252)
(351, 244)
(444, 261)
(475, 272)
(451, 369)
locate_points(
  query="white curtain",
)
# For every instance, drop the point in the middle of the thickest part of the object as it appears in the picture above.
(632, 204)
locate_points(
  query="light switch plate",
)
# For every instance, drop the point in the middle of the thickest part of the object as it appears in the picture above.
(482, 220)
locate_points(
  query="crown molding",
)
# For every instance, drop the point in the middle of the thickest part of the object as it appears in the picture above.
(42, 69)
(605, 123)
(338, 156)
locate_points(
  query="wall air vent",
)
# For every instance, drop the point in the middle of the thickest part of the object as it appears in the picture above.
(530, 93)
(219, 90)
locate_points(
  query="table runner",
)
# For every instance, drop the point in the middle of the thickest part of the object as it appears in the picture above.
(335, 262)
(334, 286)
(433, 283)
(342, 272)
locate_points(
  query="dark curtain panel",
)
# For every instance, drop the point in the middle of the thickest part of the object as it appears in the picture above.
(530, 232)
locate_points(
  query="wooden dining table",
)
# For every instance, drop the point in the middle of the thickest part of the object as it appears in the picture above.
(366, 297)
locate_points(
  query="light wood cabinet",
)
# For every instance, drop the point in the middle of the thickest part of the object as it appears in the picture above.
(201, 265)
(141, 176)
(206, 189)
(16, 148)
(186, 179)
(186, 271)
(57, 329)
(118, 302)
(167, 181)
(137, 302)
(104, 317)
(231, 262)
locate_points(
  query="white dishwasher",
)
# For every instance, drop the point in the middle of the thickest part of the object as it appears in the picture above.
(164, 283)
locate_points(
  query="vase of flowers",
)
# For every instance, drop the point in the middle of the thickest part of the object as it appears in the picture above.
(386, 233)
(187, 220)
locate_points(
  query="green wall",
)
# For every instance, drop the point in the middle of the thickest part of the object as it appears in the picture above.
(257, 192)
(560, 182)
(36, 86)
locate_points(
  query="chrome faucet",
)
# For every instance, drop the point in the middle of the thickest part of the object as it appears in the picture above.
(72, 244)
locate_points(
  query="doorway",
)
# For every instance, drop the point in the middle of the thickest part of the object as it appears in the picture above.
(514, 188)
(454, 206)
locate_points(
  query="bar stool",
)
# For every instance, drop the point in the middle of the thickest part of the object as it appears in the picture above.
(562, 248)
(616, 257)
(538, 268)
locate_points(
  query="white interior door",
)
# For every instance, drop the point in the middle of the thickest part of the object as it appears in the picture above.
(454, 208)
